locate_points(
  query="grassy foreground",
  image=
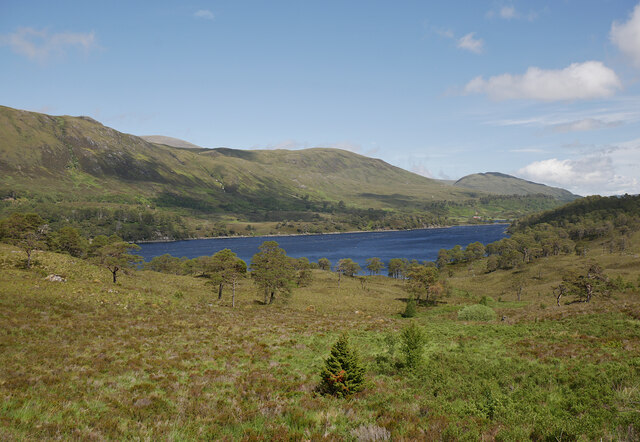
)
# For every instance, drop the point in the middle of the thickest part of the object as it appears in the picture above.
(158, 357)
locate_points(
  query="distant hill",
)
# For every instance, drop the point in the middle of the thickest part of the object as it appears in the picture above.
(503, 184)
(72, 165)
(169, 141)
(593, 212)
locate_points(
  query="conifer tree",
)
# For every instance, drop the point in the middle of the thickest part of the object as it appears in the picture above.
(410, 309)
(343, 373)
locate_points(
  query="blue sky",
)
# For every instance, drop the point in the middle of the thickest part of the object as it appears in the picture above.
(544, 90)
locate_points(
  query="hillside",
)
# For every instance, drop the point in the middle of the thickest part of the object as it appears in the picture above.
(74, 169)
(592, 212)
(503, 184)
(37, 146)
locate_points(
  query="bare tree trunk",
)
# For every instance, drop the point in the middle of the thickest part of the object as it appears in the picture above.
(220, 291)
(273, 295)
(29, 259)
(233, 294)
(114, 272)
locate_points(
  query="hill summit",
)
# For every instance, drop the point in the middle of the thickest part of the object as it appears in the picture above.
(503, 184)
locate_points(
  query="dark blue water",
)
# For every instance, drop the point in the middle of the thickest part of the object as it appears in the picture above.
(421, 244)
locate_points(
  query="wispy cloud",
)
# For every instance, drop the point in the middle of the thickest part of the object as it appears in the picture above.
(579, 81)
(41, 45)
(447, 33)
(626, 36)
(469, 43)
(422, 170)
(610, 170)
(509, 12)
(528, 150)
(617, 112)
(205, 14)
(585, 124)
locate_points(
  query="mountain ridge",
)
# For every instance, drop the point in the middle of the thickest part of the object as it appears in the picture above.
(77, 163)
(504, 184)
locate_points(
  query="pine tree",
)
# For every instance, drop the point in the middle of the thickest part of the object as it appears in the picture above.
(343, 374)
(410, 309)
(413, 341)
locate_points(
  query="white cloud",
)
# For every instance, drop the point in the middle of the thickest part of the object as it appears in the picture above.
(528, 150)
(511, 13)
(466, 42)
(475, 45)
(204, 13)
(40, 45)
(609, 171)
(421, 170)
(508, 12)
(627, 36)
(585, 125)
(447, 33)
(579, 81)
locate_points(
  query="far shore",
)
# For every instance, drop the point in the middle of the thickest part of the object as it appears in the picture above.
(276, 235)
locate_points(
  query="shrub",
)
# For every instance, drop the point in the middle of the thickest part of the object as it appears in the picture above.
(412, 345)
(410, 309)
(343, 374)
(486, 300)
(477, 312)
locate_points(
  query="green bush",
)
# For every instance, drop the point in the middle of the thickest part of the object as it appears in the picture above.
(477, 312)
(410, 309)
(486, 300)
(343, 374)
(412, 345)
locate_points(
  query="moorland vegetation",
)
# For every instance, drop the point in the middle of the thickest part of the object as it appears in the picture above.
(304, 350)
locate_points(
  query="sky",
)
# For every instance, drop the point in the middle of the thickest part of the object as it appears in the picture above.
(547, 91)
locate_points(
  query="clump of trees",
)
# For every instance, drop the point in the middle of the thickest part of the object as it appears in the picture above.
(27, 231)
(272, 271)
(324, 264)
(422, 280)
(223, 268)
(398, 267)
(113, 253)
(584, 285)
(347, 267)
(374, 265)
(304, 273)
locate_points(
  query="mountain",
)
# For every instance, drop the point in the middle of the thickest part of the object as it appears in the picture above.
(503, 184)
(77, 170)
(169, 141)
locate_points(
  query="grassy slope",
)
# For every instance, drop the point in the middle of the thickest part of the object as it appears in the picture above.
(37, 145)
(156, 356)
(499, 183)
(76, 160)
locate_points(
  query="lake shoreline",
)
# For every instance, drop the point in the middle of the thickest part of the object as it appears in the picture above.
(279, 235)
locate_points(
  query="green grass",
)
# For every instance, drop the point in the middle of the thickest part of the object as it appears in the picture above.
(87, 359)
